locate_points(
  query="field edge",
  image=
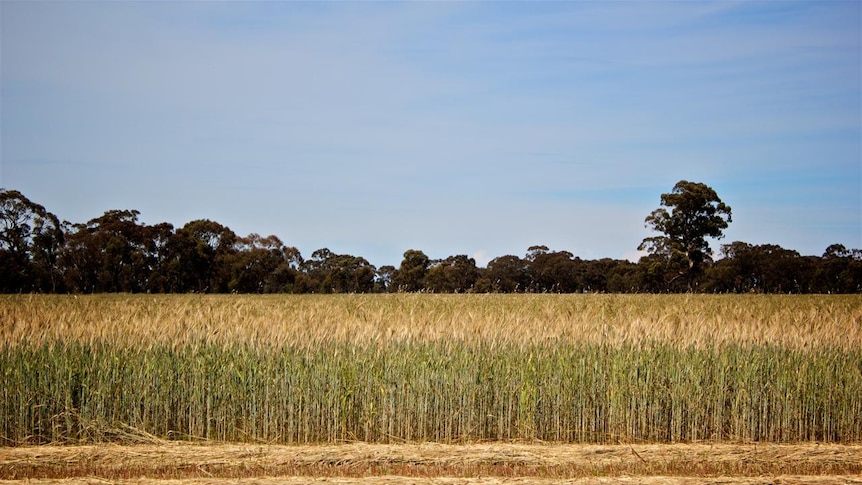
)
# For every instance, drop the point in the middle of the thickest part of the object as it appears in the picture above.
(427, 461)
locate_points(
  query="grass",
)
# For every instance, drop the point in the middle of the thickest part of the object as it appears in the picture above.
(443, 368)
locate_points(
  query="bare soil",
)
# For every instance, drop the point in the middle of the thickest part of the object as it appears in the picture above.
(432, 463)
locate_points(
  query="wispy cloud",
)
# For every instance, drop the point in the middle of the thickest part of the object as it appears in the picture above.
(451, 127)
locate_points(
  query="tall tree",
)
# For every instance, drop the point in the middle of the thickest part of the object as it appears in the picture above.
(383, 279)
(840, 270)
(508, 274)
(455, 274)
(200, 257)
(766, 268)
(30, 239)
(328, 272)
(411, 274)
(351, 274)
(260, 265)
(695, 213)
(552, 271)
(112, 252)
(158, 238)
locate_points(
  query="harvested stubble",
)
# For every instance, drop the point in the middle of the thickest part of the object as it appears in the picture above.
(453, 368)
(399, 480)
(189, 461)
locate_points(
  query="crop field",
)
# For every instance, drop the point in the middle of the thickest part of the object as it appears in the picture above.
(434, 387)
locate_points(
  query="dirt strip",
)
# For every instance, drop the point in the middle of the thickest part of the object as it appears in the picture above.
(779, 480)
(433, 463)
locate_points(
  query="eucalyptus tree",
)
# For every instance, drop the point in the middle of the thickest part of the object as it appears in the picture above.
(455, 274)
(508, 274)
(113, 253)
(410, 276)
(690, 213)
(552, 271)
(30, 241)
(200, 256)
(260, 265)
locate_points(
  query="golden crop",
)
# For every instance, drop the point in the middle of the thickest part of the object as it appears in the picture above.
(305, 369)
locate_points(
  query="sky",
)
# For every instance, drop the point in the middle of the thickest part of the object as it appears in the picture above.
(477, 128)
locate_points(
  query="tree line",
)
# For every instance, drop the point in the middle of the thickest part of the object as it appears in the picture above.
(115, 252)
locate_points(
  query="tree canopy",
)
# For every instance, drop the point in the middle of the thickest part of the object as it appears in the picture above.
(696, 213)
(116, 252)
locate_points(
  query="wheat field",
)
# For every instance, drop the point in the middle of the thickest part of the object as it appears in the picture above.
(431, 368)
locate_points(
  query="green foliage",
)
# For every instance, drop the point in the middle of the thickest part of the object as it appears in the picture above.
(69, 393)
(117, 253)
(696, 212)
(30, 241)
(411, 273)
(455, 274)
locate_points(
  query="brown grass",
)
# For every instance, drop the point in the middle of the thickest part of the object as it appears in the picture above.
(427, 461)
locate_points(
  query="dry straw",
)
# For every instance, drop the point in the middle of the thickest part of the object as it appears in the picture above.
(186, 461)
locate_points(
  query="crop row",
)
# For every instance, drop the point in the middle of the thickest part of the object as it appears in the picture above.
(566, 392)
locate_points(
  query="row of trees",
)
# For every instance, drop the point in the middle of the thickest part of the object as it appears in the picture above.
(117, 253)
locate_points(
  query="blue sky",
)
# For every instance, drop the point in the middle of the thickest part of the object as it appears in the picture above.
(477, 128)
